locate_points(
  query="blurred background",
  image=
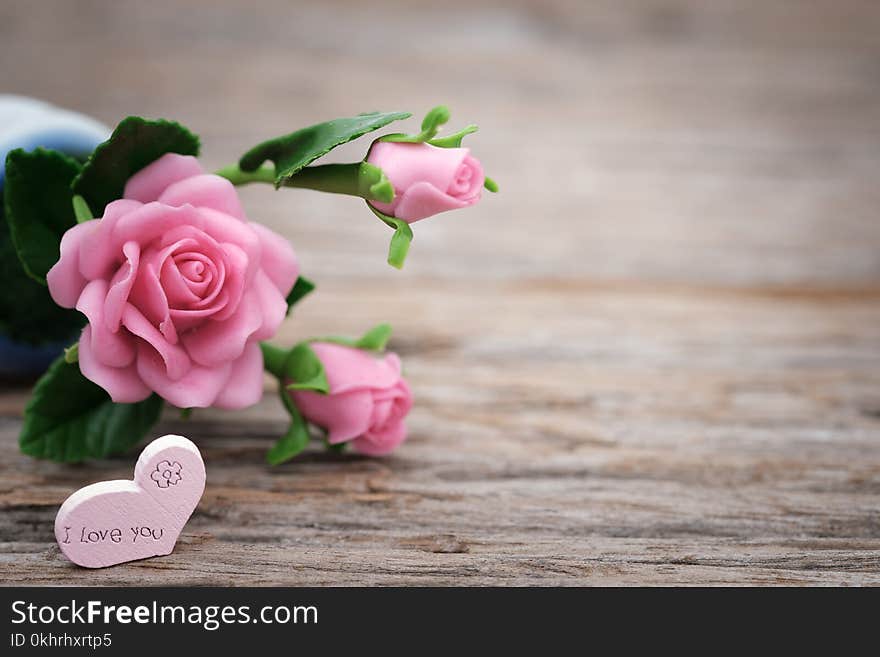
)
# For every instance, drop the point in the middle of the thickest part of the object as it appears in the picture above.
(722, 142)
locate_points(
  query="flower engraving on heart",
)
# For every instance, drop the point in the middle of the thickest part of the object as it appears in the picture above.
(167, 474)
(112, 522)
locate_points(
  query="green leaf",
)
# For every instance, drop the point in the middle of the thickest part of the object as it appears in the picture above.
(27, 312)
(373, 340)
(305, 370)
(135, 143)
(292, 442)
(69, 418)
(301, 288)
(490, 185)
(292, 152)
(38, 206)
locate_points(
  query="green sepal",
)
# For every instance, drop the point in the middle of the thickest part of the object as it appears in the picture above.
(297, 436)
(373, 184)
(305, 371)
(490, 185)
(337, 448)
(436, 117)
(38, 206)
(375, 339)
(71, 353)
(400, 241)
(135, 143)
(301, 288)
(453, 140)
(290, 153)
(294, 440)
(274, 359)
(81, 210)
(69, 418)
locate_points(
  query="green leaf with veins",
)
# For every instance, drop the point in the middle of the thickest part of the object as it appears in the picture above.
(290, 153)
(27, 312)
(39, 206)
(135, 143)
(69, 418)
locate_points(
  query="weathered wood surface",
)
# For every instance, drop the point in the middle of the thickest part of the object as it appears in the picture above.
(653, 359)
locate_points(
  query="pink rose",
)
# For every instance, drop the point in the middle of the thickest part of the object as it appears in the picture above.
(367, 402)
(427, 179)
(178, 288)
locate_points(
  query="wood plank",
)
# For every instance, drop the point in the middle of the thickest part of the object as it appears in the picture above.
(633, 435)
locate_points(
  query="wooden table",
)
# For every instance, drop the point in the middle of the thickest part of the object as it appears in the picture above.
(653, 359)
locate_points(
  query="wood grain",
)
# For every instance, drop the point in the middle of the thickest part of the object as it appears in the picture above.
(653, 359)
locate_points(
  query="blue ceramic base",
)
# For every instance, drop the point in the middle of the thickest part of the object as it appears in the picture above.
(23, 360)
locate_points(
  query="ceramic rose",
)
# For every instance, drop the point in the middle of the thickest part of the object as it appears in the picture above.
(427, 179)
(178, 288)
(367, 403)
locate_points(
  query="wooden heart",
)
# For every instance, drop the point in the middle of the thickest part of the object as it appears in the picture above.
(112, 522)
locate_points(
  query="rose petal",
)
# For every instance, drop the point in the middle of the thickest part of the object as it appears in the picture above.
(149, 183)
(64, 279)
(350, 369)
(217, 342)
(475, 180)
(278, 259)
(121, 285)
(111, 348)
(272, 305)
(408, 164)
(344, 416)
(382, 442)
(205, 191)
(424, 200)
(122, 383)
(177, 363)
(100, 254)
(198, 388)
(245, 385)
(381, 411)
(152, 221)
(226, 229)
(236, 265)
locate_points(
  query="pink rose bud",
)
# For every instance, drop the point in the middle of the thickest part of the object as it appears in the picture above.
(178, 287)
(367, 402)
(427, 179)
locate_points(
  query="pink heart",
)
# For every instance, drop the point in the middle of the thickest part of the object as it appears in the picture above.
(116, 521)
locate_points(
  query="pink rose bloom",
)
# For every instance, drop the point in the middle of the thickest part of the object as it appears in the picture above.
(427, 179)
(178, 288)
(367, 402)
